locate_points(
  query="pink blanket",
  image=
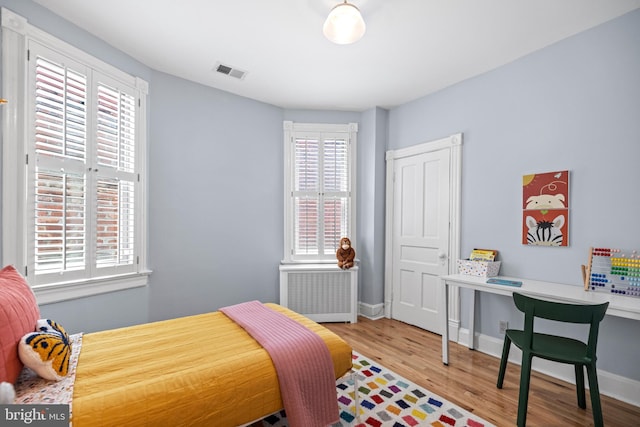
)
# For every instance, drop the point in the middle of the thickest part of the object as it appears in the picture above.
(302, 361)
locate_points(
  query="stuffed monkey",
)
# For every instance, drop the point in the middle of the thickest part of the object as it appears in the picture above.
(345, 254)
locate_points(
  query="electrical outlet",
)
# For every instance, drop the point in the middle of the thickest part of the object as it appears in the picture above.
(504, 325)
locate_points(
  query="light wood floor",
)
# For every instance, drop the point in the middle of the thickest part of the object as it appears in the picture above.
(470, 378)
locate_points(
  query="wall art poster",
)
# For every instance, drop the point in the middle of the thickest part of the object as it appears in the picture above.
(545, 204)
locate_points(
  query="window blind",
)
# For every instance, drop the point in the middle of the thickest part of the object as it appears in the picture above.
(84, 189)
(115, 146)
(73, 165)
(320, 193)
(60, 130)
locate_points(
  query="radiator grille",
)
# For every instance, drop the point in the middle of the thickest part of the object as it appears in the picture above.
(319, 292)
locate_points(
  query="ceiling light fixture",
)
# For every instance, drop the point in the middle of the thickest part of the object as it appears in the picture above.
(344, 25)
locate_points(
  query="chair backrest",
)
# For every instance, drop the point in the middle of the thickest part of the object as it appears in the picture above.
(562, 312)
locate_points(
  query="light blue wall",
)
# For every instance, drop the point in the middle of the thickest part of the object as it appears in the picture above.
(100, 312)
(321, 116)
(372, 145)
(215, 198)
(574, 105)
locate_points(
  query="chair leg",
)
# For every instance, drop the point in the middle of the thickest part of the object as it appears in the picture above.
(582, 402)
(523, 396)
(503, 362)
(594, 392)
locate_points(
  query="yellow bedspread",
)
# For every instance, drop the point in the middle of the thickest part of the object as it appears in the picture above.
(201, 370)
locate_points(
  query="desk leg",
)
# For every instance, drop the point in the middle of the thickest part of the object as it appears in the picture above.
(472, 320)
(444, 318)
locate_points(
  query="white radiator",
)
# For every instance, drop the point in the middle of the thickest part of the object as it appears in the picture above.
(322, 292)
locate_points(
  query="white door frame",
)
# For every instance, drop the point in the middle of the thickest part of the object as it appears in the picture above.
(454, 144)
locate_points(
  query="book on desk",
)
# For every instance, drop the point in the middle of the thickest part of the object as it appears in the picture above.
(504, 282)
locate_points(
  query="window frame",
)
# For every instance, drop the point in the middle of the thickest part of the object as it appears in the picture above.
(291, 131)
(17, 34)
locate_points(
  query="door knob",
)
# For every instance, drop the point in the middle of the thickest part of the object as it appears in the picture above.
(442, 257)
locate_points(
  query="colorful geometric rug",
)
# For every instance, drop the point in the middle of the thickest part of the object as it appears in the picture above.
(388, 400)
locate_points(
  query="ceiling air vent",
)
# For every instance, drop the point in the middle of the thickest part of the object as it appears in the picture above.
(230, 71)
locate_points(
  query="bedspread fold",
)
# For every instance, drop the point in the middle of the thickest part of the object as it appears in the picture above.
(302, 360)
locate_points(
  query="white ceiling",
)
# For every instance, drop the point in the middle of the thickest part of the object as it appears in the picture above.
(411, 47)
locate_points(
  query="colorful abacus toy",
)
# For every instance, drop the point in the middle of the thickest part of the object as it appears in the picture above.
(615, 271)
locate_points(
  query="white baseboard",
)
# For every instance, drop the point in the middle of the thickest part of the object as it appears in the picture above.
(373, 312)
(611, 385)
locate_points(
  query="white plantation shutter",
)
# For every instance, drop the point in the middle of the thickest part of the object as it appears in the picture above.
(335, 192)
(60, 238)
(305, 195)
(84, 191)
(59, 185)
(74, 192)
(61, 114)
(115, 223)
(319, 196)
(116, 129)
(116, 178)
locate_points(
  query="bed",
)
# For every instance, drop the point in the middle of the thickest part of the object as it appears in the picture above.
(196, 370)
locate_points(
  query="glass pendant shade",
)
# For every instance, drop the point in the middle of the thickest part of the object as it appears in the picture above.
(344, 24)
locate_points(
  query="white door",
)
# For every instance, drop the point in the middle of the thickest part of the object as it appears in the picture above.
(421, 238)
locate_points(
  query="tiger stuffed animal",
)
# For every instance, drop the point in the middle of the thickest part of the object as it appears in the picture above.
(46, 351)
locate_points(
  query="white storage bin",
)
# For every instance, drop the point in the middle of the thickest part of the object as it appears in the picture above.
(478, 268)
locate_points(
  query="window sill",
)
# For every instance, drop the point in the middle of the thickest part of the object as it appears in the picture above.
(314, 265)
(312, 261)
(48, 294)
(309, 261)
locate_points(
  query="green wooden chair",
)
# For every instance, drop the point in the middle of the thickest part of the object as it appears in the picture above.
(555, 348)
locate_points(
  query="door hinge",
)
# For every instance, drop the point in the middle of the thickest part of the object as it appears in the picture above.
(26, 159)
(26, 270)
(138, 260)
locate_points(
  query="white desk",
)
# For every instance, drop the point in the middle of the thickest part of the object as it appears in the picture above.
(620, 306)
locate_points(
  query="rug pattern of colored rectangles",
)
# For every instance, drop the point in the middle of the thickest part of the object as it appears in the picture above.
(389, 400)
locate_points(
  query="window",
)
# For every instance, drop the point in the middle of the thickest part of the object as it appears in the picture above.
(80, 188)
(319, 189)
